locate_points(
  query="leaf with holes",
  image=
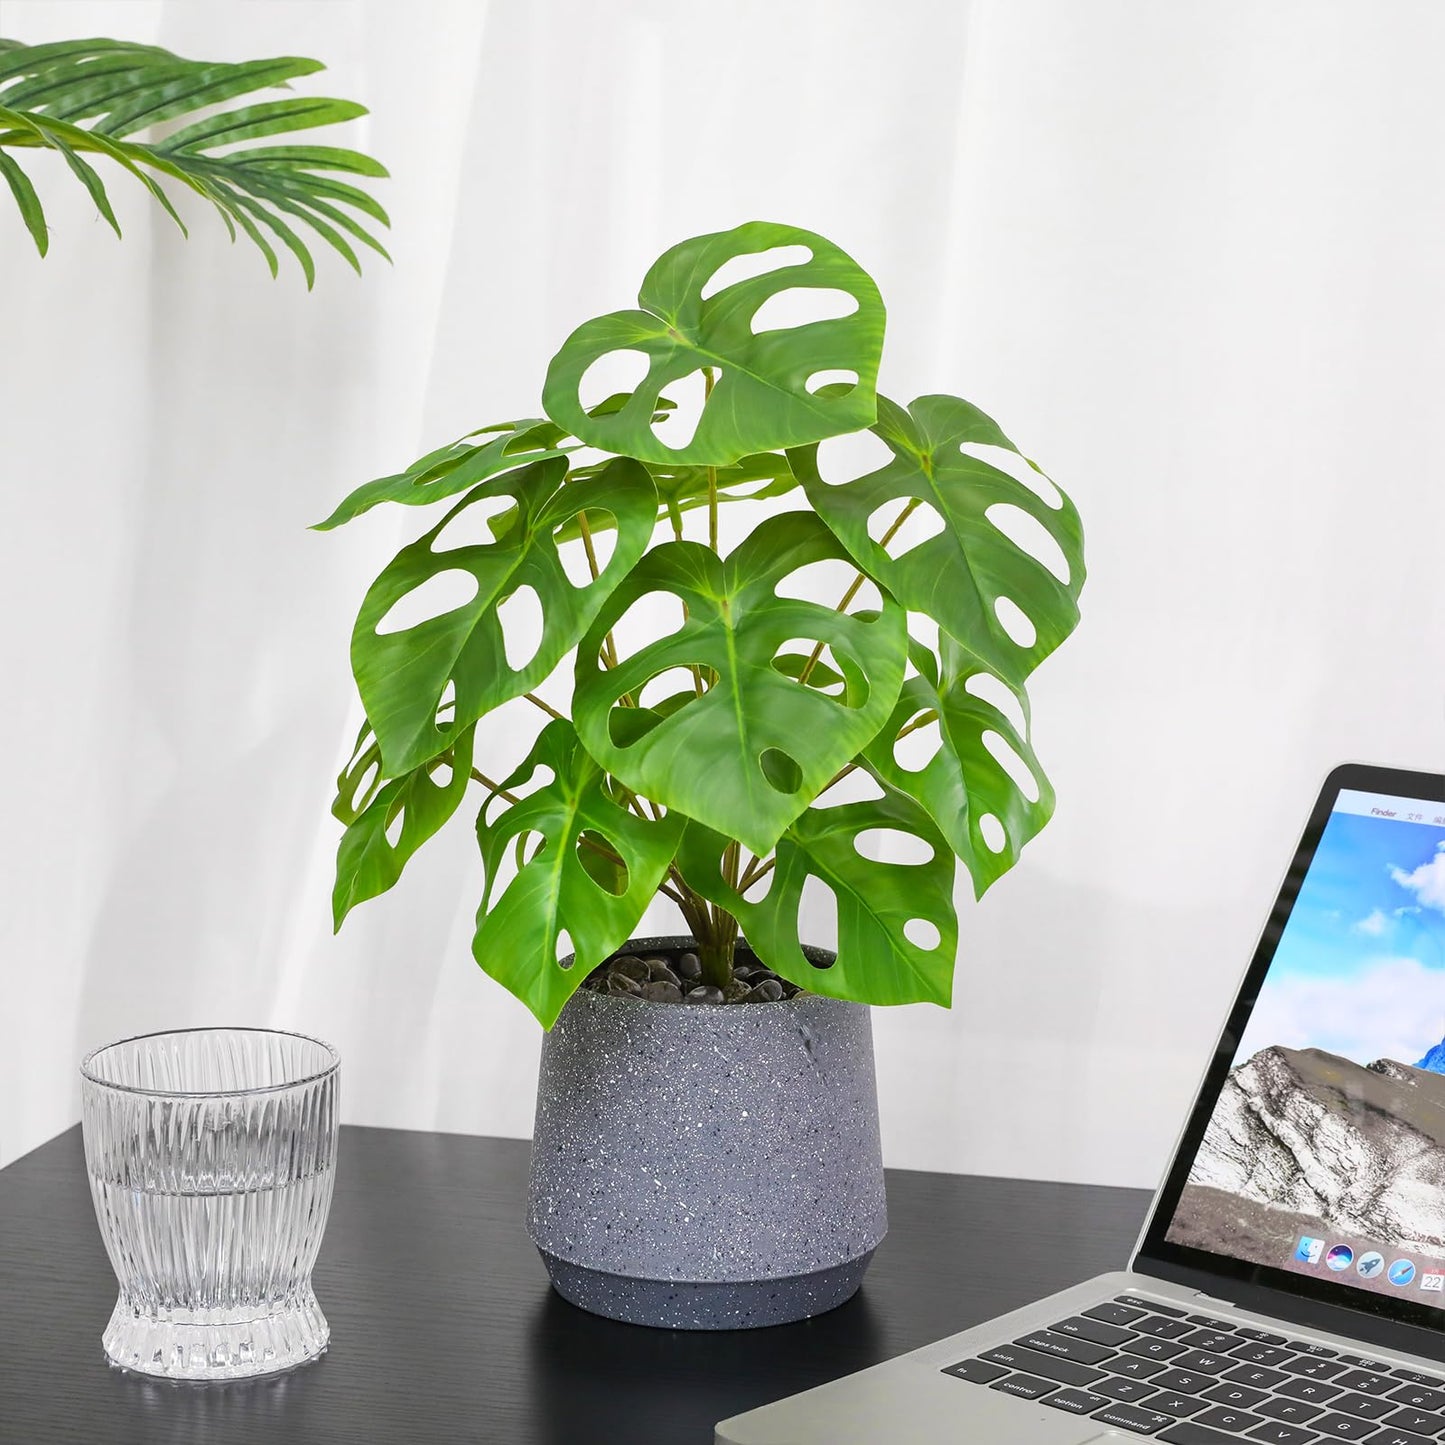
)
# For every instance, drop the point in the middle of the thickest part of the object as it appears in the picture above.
(771, 386)
(897, 927)
(394, 823)
(597, 899)
(750, 754)
(404, 675)
(452, 469)
(965, 781)
(960, 576)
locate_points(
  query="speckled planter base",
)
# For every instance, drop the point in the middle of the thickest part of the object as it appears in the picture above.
(707, 1167)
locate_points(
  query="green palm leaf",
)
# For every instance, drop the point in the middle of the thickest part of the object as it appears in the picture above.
(93, 96)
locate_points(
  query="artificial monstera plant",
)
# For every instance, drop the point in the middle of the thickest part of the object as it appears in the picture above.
(720, 724)
(97, 98)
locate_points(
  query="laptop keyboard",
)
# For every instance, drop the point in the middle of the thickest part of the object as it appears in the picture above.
(1193, 1380)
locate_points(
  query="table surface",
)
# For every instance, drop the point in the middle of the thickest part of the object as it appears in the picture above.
(444, 1327)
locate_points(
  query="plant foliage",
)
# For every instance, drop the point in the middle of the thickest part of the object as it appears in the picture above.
(93, 98)
(712, 760)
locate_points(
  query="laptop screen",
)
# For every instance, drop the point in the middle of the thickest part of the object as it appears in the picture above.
(1317, 1149)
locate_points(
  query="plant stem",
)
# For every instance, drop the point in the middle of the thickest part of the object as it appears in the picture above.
(609, 647)
(496, 788)
(541, 703)
(758, 869)
(857, 582)
(707, 386)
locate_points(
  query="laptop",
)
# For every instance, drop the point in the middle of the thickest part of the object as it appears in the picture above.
(1289, 1285)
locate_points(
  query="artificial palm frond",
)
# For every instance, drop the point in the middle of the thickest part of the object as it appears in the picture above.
(89, 97)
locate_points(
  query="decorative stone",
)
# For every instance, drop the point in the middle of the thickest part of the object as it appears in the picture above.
(704, 993)
(662, 992)
(768, 991)
(689, 965)
(620, 986)
(659, 972)
(630, 967)
(707, 1168)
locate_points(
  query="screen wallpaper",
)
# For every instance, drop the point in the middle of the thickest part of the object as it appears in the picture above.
(1325, 1153)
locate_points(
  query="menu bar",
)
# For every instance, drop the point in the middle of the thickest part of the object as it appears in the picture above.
(1382, 805)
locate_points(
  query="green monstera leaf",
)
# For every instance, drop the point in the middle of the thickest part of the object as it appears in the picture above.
(776, 387)
(971, 569)
(749, 754)
(393, 822)
(596, 869)
(988, 799)
(897, 928)
(405, 675)
(450, 470)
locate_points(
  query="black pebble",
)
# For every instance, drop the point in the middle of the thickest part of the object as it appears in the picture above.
(630, 967)
(688, 966)
(662, 992)
(704, 993)
(770, 990)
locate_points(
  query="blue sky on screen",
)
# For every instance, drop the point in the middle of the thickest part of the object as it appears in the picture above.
(1360, 970)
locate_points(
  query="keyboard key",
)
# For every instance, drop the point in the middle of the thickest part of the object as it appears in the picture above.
(1216, 1341)
(1344, 1427)
(1366, 1383)
(1186, 1382)
(1083, 1352)
(1315, 1391)
(1313, 1369)
(1076, 1402)
(1306, 1348)
(1295, 1411)
(1206, 1363)
(1221, 1418)
(1148, 1348)
(1116, 1387)
(1209, 1322)
(1164, 1329)
(1278, 1434)
(1135, 1302)
(1167, 1404)
(979, 1372)
(1062, 1372)
(1416, 1378)
(1256, 1377)
(1418, 1397)
(1367, 1407)
(1096, 1330)
(1262, 1336)
(1191, 1432)
(1133, 1366)
(1115, 1314)
(1027, 1386)
(1398, 1437)
(1415, 1420)
(1131, 1417)
(1253, 1353)
(1227, 1393)
(1362, 1362)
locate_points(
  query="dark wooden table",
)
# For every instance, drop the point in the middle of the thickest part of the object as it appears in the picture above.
(444, 1328)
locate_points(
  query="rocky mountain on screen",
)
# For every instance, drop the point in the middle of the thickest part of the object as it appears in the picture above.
(1435, 1059)
(1360, 1147)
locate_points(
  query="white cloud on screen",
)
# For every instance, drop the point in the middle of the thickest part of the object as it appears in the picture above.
(1427, 882)
(1393, 1008)
(1373, 925)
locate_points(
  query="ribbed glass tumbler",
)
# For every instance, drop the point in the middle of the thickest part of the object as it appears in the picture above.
(211, 1155)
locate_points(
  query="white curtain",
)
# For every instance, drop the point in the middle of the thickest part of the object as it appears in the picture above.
(1188, 255)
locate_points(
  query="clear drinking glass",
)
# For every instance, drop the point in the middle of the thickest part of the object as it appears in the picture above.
(211, 1155)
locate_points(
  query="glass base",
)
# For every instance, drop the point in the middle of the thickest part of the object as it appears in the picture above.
(218, 1349)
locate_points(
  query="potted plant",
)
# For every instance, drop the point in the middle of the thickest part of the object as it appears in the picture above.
(706, 1151)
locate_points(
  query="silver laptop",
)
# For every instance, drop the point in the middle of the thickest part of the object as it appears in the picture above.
(1289, 1286)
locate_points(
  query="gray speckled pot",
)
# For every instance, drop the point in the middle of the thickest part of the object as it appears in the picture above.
(713, 1167)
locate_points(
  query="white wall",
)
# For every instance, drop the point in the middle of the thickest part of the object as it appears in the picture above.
(1188, 255)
